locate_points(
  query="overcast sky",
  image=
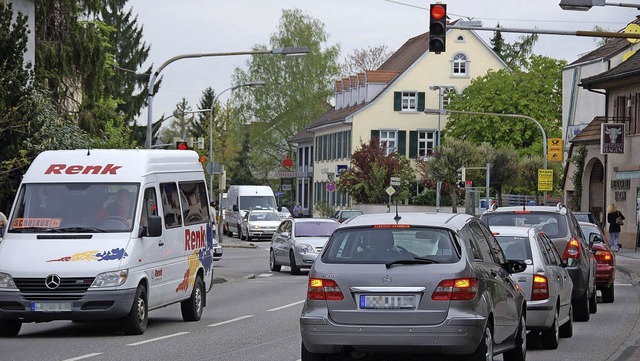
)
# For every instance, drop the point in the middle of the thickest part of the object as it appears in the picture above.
(198, 26)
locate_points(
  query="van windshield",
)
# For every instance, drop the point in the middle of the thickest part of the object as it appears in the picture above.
(257, 202)
(75, 208)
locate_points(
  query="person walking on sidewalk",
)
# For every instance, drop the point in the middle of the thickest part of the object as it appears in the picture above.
(615, 219)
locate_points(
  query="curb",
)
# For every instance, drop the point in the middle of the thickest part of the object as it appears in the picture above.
(236, 245)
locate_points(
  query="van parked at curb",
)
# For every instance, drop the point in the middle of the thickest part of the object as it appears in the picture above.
(106, 234)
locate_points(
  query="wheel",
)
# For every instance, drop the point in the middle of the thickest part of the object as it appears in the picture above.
(551, 336)
(581, 307)
(310, 356)
(520, 352)
(295, 270)
(566, 330)
(272, 262)
(484, 352)
(593, 302)
(135, 323)
(192, 307)
(10, 328)
(608, 295)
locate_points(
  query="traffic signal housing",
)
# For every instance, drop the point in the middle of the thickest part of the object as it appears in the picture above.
(438, 28)
(460, 178)
(182, 145)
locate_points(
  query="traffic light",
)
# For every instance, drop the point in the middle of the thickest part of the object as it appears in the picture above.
(460, 178)
(182, 145)
(438, 28)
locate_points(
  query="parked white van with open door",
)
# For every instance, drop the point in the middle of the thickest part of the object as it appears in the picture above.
(243, 198)
(106, 234)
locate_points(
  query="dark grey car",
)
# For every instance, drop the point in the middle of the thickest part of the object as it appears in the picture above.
(414, 283)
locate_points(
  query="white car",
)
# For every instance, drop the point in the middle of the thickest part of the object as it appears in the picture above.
(284, 212)
(259, 224)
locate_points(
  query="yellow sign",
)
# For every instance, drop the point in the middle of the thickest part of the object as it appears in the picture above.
(632, 29)
(545, 180)
(554, 149)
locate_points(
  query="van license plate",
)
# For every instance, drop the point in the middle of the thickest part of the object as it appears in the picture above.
(51, 306)
(406, 302)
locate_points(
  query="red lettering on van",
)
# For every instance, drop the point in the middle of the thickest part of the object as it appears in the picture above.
(194, 239)
(80, 169)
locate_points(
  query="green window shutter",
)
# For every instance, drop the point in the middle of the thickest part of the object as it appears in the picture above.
(402, 142)
(375, 134)
(413, 144)
(421, 101)
(397, 101)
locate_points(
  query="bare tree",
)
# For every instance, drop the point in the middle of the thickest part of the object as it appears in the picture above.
(365, 59)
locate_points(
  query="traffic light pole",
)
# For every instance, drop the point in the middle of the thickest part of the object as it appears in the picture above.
(592, 34)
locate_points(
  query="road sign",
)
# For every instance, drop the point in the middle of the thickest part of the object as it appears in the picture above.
(554, 149)
(390, 191)
(545, 180)
(287, 174)
(286, 187)
(331, 187)
(395, 181)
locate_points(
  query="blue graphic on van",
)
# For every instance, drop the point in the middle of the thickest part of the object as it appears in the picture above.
(96, 255)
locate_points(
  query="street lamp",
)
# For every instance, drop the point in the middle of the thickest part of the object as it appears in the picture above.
(585, 5)
(440, 89)
(289, 52)
(252, 84)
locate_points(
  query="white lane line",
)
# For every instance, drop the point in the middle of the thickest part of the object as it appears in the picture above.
(623, 284)
(285, 306)
(229, 321)
(84, 356)
(264, 275)
(157, 339)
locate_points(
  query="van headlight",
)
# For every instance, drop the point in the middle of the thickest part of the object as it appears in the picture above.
(110, 279)
(6, 281)
(307, 248)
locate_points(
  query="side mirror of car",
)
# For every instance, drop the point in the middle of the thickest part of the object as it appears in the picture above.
(285, 234)
(515, 266)
(154, 229)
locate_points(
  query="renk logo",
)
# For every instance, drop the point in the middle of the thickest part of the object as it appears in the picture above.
(83, 169)
(194, 239)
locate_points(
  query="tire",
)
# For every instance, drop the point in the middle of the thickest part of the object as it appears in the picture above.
(566, 330)
(608, 295)
(551, 336)
(484, 351)
(192, 308)
(295, 270)
(593, 302)
(310, 356)
(135, 323)
(10, 328)
(581, 308)
(275, 267)
(520, 352)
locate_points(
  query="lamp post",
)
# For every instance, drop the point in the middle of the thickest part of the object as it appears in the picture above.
(252, 84)
(439, 88)
(585, 5)
(289, 51)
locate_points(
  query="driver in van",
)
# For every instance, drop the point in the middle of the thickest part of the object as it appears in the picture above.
(118, 205)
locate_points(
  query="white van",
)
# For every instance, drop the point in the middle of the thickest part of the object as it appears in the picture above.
(106, 234)
(243, 198)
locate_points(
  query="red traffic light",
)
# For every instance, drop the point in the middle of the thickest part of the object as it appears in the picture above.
(438, 12)
(182, 145)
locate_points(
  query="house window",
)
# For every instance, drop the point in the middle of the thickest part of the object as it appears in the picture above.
(388, 138)
(447, 93)
(460, 65)
(426, 142)
(409, 100)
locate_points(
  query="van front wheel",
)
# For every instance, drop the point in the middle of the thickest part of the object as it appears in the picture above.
(135, 323)
(192, 308)
(10, 328)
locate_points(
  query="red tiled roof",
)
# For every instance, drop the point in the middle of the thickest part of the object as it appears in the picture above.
(591, 133)
(380, 76)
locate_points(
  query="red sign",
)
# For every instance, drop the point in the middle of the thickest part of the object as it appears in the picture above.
(331, 187)
(287, 162)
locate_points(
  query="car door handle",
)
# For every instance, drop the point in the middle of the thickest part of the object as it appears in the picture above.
(160, 243)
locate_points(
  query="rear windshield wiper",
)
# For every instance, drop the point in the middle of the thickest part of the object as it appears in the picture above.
(415, 260)
(81, 230)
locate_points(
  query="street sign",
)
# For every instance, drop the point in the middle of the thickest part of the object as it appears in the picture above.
(390, 191)
(287, 174)
(545, 180)
(395, 181)
(286, 187)
(331, 187)
(554, 149)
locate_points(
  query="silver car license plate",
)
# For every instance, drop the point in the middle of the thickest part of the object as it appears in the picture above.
(51, 306)
(388, 302)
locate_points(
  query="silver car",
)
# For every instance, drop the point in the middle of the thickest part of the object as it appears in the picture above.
(298, 241)
(546, 283)
(259, 224)
(414, 283)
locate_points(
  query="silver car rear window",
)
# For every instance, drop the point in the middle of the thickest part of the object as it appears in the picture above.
(383, 245)
(553, 224)
(515, 248)
(315, 229)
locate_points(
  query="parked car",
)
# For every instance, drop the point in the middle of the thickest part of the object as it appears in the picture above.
(217, 250)
(586, 217)
(298, 241)
(259, 224)
(344, 214)
(546, 283)
(284, 212)
(412, 283)
(561, 226)
(605, 258)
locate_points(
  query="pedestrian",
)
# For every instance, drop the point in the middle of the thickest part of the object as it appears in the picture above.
(297, 211)
(615, 219)
(3, 224)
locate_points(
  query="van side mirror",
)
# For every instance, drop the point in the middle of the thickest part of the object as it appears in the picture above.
(154, 229)
(235, 207)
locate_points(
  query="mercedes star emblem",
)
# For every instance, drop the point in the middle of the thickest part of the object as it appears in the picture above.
(386, 280)
(52, 282)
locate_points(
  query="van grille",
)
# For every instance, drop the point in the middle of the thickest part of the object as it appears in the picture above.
(67, 285)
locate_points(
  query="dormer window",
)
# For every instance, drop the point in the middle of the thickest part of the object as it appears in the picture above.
(408, 101)
(459, 64)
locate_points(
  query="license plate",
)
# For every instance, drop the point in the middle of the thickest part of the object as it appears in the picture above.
(51, 306)
(388, 302)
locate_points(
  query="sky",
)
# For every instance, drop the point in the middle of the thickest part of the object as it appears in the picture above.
(220, 26)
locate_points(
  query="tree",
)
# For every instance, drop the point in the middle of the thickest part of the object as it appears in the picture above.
(600, 41)
(297, 89)
(536, 92)
(370, 174)
(515, 54)
(181, 124)
(365, 59)
(241, 172)
(503, 167)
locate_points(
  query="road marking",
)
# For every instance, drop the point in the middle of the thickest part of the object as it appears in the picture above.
(83, 356)
(622, 284)
(265, 275)
(285, 306)
(157, 339)
(229, 321)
